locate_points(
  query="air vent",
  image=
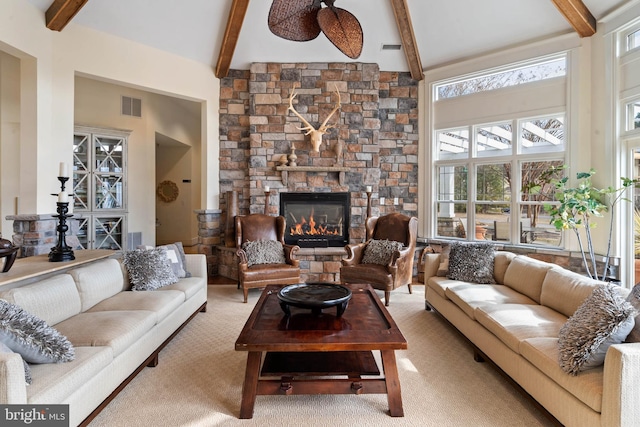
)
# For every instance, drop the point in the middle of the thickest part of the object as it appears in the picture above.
(131, 106)
(391, 46)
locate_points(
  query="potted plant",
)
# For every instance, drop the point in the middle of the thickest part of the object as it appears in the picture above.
(578, 206)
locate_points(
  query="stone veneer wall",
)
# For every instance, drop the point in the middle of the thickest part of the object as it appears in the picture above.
(376, 138)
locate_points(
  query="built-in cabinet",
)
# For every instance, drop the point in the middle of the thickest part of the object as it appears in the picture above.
(100, 187)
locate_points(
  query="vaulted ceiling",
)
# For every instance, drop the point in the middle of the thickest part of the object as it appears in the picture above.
(234, 33)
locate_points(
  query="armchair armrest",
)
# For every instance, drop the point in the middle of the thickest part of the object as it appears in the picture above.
(13, 388)
(243, 257)
(290, 252)
(355, 253)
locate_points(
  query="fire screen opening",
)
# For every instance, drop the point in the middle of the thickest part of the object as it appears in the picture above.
(316, 219)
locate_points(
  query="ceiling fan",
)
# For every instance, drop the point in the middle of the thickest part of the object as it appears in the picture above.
(303, 20)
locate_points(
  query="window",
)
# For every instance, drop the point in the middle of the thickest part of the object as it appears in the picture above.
(492, 178)
(633, 115)
(633, 40)
(526, 73)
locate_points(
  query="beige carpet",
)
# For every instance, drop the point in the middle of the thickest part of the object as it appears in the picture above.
(199, 379)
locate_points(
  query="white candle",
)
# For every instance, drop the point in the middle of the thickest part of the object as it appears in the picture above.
(266, 188)
(369, 189)
(64, 171)
(63, 198)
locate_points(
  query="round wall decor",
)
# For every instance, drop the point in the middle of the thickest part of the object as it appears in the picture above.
(167, 191)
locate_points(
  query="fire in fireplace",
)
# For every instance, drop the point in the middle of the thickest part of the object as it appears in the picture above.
(316, 219)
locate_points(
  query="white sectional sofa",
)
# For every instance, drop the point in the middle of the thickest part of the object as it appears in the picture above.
(515, 323)
(115, 332)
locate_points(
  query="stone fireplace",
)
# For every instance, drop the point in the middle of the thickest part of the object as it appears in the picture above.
(374, 143)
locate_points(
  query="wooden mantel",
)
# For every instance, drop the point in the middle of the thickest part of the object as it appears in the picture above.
(286, 169)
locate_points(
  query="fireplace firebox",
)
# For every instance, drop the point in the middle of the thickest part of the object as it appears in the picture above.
(316, 219)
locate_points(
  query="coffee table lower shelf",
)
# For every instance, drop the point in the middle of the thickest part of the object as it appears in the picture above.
(296, 373)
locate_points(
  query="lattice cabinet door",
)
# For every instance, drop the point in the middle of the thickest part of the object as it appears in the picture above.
(100, 187)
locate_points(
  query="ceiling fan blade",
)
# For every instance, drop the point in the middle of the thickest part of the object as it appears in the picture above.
(343, 29)
(294, 19)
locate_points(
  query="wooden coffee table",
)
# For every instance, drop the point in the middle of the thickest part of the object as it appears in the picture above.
(302, 349)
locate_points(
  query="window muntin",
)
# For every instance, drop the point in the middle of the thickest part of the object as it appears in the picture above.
(526, 73)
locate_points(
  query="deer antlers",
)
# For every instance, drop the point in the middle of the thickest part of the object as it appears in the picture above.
(316, 134)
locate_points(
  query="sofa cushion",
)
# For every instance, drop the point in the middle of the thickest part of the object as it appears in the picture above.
(603, 319)
(525, 275)
(116, 329)
(53, 300)
(149, 269)
(264, 252)
(98, 281)
(470, 296)
(472, 262)
(380, 251)
(55, 382)
(564, 290)
(30, 336)
(634, 300)
(441, 284)
(543, 353)
(500, 264)
(161, 303)
(190, 285)
(514, 323)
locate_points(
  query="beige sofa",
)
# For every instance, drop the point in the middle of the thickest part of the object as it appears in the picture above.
(515, 323)
(115, 332)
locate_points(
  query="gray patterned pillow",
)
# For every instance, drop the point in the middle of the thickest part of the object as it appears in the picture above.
(380, 251)
(603, 319)
(27, 368)
(264, 252)
(30, 336)
(177, 265)
(634, 300)
(149, 269)
(472, 262)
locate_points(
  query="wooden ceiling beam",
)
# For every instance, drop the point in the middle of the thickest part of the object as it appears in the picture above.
(61, 12)
(231, 34)
(578, 16)
(409, 45)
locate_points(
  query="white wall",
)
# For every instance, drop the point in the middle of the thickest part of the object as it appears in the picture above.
(50, 62)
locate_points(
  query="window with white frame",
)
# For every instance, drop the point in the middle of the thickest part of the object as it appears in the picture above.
(492, 179)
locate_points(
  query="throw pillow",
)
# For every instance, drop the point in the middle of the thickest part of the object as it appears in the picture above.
(443, 268)
(603, 319)
(30, 336)
(149, 269)
(380, 251)
(264, 252)
(472, 262)
(173, 254)
(27, 368)
(634, 300)
(183, 257)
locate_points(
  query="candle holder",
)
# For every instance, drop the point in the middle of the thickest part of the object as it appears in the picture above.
(267, 196)
(62, 252)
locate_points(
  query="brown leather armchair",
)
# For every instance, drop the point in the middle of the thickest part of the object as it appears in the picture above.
(256, 227)
(399, 271)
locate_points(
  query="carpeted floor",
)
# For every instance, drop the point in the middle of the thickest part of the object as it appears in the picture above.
(199, 379)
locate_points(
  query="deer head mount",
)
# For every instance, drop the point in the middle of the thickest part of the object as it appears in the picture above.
(316, 134)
